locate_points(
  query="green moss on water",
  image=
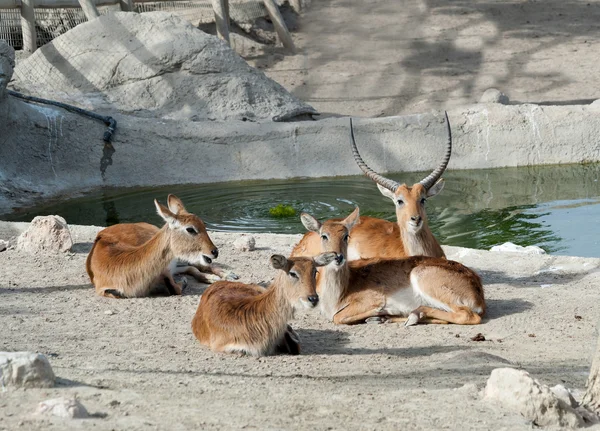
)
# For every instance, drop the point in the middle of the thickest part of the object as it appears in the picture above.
(282, 211)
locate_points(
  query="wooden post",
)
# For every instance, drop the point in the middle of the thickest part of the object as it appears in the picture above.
(221, 9)
(280, 27)
(28, 26)
(89, 9)
(127, 5)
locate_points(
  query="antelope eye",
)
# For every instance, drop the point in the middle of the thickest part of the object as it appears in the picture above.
(346, 237)
(191, 230)
(400, 202)
(324, 237)
(293, 275)
(423, 200)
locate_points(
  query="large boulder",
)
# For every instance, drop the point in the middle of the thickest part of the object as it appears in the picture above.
(154, 64)
(46, 234)
(25, 370)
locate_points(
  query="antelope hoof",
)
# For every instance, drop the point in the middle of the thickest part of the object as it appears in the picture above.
(375, 320)
(413, 319)
(231, 276)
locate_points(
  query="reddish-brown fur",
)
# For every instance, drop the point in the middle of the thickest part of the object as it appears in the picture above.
(128, 259)
(421, 287)
(373, 237)
(244, 318)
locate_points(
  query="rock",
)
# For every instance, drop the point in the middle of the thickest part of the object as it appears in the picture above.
(509, 246)
(595, 103)
(153, 64)
(7, 64)
(492, 95)
(3, 245)
(25, 370)
(69, 408)
(109, 312)
(46, 234)
(564, 395)
(245, 243)
(517, 391)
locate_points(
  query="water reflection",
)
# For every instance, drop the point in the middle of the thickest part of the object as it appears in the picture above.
(555, 207)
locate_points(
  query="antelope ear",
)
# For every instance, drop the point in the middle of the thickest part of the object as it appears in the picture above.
(166, 214)
(310, 223)
(324, 258)
(387, 193)
(279, 262)
(175, 204)
(352, 220)
(436, 188)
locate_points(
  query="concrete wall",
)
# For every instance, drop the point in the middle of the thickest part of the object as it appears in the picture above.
(48, 152)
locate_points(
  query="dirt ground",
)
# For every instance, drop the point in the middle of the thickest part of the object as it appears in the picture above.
(386, 57)
(141, 367)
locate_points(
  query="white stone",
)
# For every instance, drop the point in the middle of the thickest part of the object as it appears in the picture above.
(46, 234)
(109, 312)
(510, 247)
(492, 95)
(69, 408)
(564, 395)
(25, 370)
(517, 391)
(3, 245)
(245, 243)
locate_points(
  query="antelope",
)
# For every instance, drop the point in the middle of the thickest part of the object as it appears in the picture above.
(411, 290)
(234, 317)
(127, 260)
(377, 238)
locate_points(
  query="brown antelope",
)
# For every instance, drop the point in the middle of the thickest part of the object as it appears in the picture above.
(127, 260)
(374, 237)
(246, 318)
(413, 289)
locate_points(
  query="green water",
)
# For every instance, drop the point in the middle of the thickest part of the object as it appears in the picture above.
(554, 207)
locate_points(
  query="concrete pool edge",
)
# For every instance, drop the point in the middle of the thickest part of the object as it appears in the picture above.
(47, 152)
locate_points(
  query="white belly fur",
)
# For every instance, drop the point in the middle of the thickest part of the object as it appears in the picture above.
(403, 301)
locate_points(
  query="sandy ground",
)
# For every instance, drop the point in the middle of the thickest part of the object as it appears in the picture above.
(388, 57)
(141, 367)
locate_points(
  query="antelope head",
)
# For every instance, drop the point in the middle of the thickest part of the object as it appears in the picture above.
(409, 200)
(299, 284)
(188, 236)
(334, 235)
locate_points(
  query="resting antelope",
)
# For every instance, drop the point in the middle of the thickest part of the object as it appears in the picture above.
(413, 289)
(128, 259)
(246, 318)
(374, 237)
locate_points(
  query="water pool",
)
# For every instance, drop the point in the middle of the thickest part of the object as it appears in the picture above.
(554, 207)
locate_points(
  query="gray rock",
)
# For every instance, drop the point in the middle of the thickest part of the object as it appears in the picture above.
(492, 95)
(517, 391)
(3, 245)
(156, 65)
(25, 370)
(46, 234)
(69, 408)
(7, 64)
(245, 243)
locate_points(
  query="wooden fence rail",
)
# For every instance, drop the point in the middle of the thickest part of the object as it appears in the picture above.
(90, 9)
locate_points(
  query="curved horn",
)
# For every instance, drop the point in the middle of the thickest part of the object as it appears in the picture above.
(432, 178)
(381, 180)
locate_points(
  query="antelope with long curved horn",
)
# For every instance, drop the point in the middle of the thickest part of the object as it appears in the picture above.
(377, 238)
